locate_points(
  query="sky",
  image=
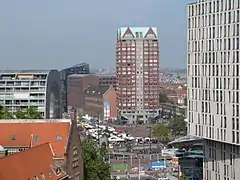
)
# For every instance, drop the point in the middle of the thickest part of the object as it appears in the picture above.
(55, 34)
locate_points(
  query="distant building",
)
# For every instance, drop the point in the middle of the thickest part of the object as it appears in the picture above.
(100, 102)
(77, 84)
(63, 136)
(82, 68)
(107, 80)
(137, 61)
(20, 89)
(34, 163)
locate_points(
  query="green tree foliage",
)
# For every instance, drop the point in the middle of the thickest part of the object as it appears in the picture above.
(20, 114)
(30, 113)
(161, 132)
(163, 98)
(185, 101)
(95, 168)
(183, 177)
(4, 114)
(178, 125)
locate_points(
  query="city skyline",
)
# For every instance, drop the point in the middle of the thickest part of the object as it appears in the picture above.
(55, 35)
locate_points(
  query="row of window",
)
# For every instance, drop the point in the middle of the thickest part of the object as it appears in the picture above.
(218, 33)
(214, 19)
(205, 7)
(213, 58)
(223, 44)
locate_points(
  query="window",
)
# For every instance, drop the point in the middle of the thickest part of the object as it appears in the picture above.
(59, 138)
(42, 176)
(35, 138)
(14, 137)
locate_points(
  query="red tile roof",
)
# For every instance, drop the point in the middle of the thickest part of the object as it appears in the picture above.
(29, 164)
(31, 134)
(180, 91)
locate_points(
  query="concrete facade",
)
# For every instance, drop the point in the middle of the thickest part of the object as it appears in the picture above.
(20, 89)
(213, 84)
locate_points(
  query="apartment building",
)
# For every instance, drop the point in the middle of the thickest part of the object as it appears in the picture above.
(213, 84)
(20, 89)
(137, 72)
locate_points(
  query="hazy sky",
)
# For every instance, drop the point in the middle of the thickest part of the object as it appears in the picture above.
(60, 33)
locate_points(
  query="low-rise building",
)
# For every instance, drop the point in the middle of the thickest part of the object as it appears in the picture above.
(32, 164)
(63, 135)
(81, 68)
(77, 84)
(178, 96)
(107, 80)
(100, 102)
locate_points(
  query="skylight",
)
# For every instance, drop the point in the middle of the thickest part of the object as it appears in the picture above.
(59, 138)
(14, 137)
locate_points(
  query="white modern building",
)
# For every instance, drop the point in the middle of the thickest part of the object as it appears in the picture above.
(20, 89)
(213, 84)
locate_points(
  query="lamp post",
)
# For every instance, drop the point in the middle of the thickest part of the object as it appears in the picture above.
(98, 129)
(109, 153)
(139, 166)
(150, 142)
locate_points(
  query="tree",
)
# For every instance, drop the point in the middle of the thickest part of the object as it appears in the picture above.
(161, 132)
(163, 98)
(184, 177)
(185, 101)
(4, 114)
(129, 147)
(32, 113)
(20, 114)
(178, 125)
(95, 168)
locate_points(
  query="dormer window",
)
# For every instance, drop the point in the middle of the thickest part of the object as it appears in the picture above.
(14, 137)
(42, 176)
(59, 138)
(35, 178)
(35, 138)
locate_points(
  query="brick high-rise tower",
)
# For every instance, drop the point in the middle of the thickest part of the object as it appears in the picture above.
(137, 61)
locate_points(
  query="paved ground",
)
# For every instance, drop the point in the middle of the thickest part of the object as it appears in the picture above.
(134, 131)
(145, 177)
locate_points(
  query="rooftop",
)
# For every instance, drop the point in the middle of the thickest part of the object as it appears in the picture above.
(79, 65)
(106, 75)
(27, 71)
(34, 163)
(80, 75)
(31, 134)
(187, 138)
(136, 30)
(96, 90)
(34, 120)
